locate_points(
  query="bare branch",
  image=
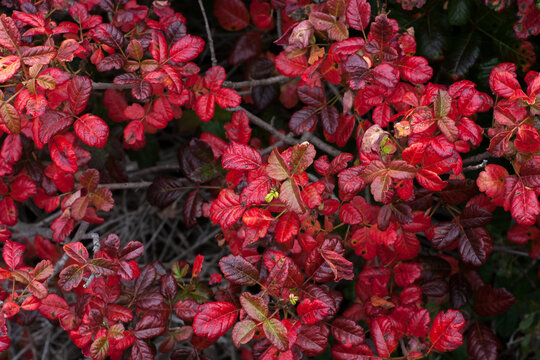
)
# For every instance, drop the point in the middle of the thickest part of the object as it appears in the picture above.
(477, 158)
(475, 167)
(153, 169)
(128, 185)
(280, 79)
(507, 250)
(106, 86)
(209, 34)
(286, 138)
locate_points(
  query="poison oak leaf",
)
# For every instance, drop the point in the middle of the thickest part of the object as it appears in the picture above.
(287, 227)
(276, 333)
(215, 319)
(291, 67)
(312, 311)
(384, 335)
(416, 70)
(70, 277)
(12, 254)
(232, 15)
(430, 180)
(238, 270)
(8, 67)
(92, 130)
(490, 302)
(358, 14)
(347, 332)
(482, 343)
(243, 331)
(240, 157)
(445, 332)
(254, 306)
(186, 49)
(63, 154)
(10, 37)
(313, 339)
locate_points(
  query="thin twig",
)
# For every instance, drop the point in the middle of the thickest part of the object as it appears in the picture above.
(504, 249)
(128, 185)
(475, 167)
(209, 34)
(257, 82)
(286, 138)
(154, 169)
(477, 158)
(107, 86)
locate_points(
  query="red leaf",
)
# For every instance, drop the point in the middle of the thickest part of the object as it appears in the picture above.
(10, 37)
(78, 91)
(70, 277)
(386, 75)
(238, 129)
(8, 212)
(215, 319)
(205, 107)
(108, 35)
(527, 139)
(148, 326)
(22, 188)
(92, 130)
(502, 80)
(291, 67)
(63, 154)
(347, 332)
(287, 227)
(524, 205)
(67, 49)
(430, 180)
(227, 98)
(232, 15)
(5, 341)
(8, 67)
(490, 302)
(12, 253)
(238, 270)
(341, 267)
(384, 335)
(358, 14)
(491, 181)
(241, 157)
(416, 70)
(38, 55)
(407, 273)
(77, 252)
(445, 332)
(186, 49)
(303, 120)
(254, 306)
(134, 134)
(243, 332)
(312, 311)
(276, 332)
(482, 344)
(53, 307)
(246, 47)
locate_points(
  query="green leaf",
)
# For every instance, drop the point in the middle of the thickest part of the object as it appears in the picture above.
(459, 12)
(431, 41)
(254, 306)
(276, 332)
(463, 56)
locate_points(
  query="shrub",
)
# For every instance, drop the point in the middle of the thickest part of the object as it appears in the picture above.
(353, 173)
